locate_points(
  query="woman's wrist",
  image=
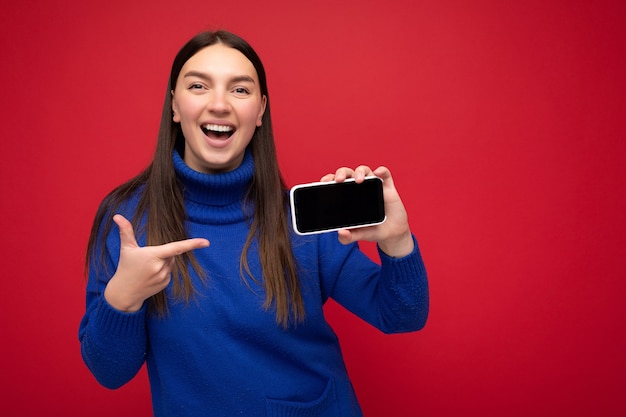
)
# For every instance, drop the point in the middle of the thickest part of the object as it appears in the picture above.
(120, 302)
(398, 247)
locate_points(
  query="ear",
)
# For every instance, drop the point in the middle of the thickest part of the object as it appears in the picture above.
(259, 120)
(176, 114)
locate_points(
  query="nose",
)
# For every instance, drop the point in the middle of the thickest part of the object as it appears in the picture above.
(218, 102)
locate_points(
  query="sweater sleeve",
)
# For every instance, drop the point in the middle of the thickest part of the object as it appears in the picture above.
(392, 296)
(113, 343)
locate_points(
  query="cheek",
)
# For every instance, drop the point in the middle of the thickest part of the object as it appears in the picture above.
(253, 114)
(188, 108)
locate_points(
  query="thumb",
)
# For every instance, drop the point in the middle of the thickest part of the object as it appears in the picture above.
(127, 234)
(345, 236)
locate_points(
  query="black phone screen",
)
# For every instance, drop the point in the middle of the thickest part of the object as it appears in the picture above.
(330, 206)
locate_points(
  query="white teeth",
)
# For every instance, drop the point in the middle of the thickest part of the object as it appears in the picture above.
(218, 128)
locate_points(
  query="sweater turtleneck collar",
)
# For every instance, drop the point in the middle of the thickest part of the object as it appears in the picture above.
(207, 194)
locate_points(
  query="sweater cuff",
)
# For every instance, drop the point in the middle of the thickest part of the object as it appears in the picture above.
(119, 323)
(411, 264)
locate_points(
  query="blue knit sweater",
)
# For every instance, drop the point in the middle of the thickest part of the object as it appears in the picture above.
(223, 354)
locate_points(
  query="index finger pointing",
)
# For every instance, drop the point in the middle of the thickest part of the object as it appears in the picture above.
(171, 249)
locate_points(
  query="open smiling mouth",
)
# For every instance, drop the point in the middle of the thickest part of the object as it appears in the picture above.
(217, 131)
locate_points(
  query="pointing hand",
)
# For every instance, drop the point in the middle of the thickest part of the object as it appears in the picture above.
(142, 271)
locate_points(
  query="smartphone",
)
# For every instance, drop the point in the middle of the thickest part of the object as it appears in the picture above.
(327, 206)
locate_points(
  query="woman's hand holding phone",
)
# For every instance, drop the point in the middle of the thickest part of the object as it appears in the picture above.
(394, 235)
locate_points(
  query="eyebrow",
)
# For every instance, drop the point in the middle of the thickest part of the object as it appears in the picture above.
(236, 79)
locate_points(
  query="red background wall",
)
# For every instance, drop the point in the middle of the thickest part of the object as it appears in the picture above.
(502, 122)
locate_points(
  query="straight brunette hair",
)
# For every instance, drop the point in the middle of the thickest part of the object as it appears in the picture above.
(161, 202)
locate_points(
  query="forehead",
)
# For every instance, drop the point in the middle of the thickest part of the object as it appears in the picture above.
(219, 60)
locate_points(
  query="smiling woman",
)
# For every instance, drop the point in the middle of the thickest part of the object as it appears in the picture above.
(218, 103)
(236, 328)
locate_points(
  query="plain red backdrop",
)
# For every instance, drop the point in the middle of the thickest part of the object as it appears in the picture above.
(503, 124)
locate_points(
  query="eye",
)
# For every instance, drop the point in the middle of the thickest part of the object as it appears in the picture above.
(241, 91)
(195, 86)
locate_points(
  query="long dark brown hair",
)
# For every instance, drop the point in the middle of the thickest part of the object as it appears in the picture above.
(161, 201)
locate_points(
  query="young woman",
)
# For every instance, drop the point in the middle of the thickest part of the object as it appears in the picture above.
(237, 327)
